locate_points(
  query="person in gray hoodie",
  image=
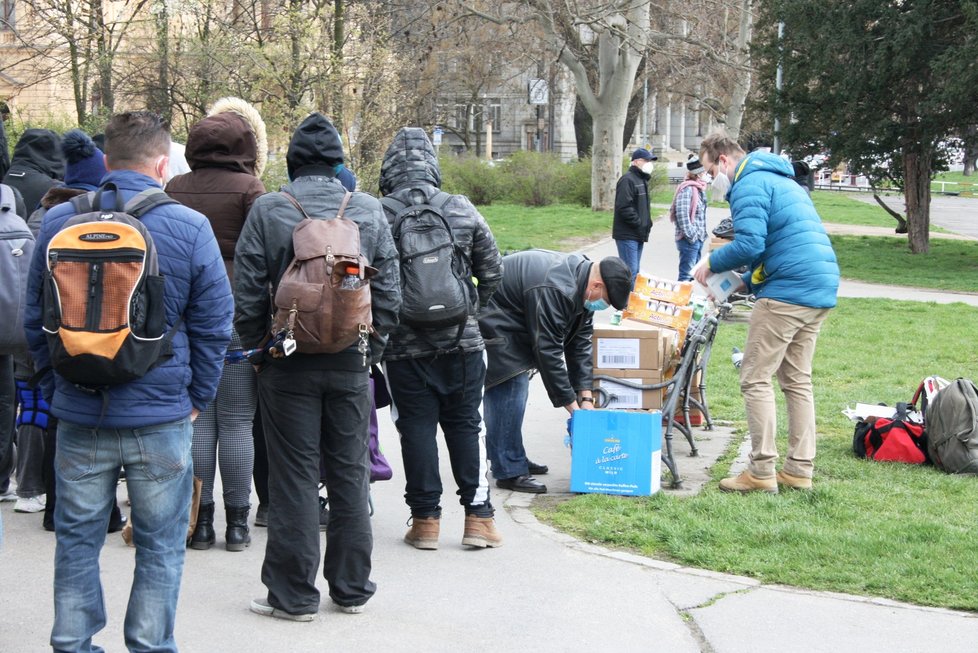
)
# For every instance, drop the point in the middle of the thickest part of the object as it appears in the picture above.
(314, 405)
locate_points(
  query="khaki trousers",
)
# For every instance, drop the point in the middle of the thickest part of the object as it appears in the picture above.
(781, 339)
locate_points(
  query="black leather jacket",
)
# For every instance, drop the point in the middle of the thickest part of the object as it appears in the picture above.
(536, 320)
(633, 220)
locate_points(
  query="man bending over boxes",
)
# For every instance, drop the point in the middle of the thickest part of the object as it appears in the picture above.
(540, 318)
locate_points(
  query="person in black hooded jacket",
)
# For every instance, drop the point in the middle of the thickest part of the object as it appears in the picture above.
(436, 375)
(37, 166)
(314, 405)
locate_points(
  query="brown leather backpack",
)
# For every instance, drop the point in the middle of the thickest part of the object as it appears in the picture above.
(323, 299)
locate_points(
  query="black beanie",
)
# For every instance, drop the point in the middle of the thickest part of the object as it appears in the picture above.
(315, 148)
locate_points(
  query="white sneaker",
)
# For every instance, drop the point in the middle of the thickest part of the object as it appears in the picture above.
(9, 495)
(31, 504)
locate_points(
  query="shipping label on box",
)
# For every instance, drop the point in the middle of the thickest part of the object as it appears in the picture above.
(632, 347)
(621, 396)
(616, 452)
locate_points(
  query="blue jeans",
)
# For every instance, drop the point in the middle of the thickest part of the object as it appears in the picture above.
(504, 406)
(630, 251)
(159, 477)
(689, 255)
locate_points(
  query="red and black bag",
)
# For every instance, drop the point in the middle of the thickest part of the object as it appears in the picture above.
(898, 439)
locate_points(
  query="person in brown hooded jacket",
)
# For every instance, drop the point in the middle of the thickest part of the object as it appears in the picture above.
(227, 152)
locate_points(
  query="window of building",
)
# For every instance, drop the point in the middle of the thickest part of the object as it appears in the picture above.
(495, 114)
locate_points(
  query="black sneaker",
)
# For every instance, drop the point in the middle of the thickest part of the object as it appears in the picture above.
(323, 513)
(536, 469)
(524, 483)
(261, 515)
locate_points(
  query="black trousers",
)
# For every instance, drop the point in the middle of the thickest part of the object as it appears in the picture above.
(307, 415)
(8, 416)
(445, 390)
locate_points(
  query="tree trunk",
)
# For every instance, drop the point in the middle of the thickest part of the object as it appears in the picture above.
(742, 80)
(339, 37)
(162, 100)
(606, 162)
(104, 58)
(970, 149)
(916, 177)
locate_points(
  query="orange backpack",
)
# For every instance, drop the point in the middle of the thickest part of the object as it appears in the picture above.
(104, 315)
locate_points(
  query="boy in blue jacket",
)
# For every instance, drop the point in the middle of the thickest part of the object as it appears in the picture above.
(792, 270)
(144, 425)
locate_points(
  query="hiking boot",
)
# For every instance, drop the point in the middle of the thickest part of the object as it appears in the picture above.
(481, 532)
(203, 537)
(236, 537)
(794, 482)
(30, 504)
(423, 533)
(747, 482)
(262, 607)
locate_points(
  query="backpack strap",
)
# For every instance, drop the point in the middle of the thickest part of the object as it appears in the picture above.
(295, 202)
(137, 206)
(436, 205)
(147, 200)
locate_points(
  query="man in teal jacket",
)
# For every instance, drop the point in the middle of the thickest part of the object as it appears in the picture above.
(793, 272)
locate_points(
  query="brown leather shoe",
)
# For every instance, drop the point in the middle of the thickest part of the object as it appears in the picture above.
(423, 533)
(794, 482)
(747, 482)
(481, 532)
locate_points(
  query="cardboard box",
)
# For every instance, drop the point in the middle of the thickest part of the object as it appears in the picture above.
(616, 452)
(622, 397)
(628, 346)
(663, 290)
(716, 243)
(657, 313)
(626, 398)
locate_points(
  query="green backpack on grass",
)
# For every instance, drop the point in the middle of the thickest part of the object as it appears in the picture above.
(952, 428)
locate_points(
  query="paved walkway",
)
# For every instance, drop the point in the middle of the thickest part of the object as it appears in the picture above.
(543, 591)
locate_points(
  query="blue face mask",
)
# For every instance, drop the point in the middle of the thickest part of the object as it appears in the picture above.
(595, 305)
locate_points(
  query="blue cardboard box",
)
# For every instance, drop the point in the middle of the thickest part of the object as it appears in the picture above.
(616, 452)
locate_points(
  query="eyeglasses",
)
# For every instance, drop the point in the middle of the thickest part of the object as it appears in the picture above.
(713, 169)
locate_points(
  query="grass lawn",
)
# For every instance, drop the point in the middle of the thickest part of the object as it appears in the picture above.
(950, 264)
(839, 208)
(898, 531)
(967, 186)
(561, 226)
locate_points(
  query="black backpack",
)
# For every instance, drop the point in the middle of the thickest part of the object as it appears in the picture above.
(436, 284)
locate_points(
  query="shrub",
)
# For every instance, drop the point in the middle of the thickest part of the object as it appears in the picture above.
(532, 178)
(575, 185)
(467, 175)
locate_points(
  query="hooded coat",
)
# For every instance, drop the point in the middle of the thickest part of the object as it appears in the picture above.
(778, 234)
(265, 249)
(227, 152)
(410, 175)
(36, 166)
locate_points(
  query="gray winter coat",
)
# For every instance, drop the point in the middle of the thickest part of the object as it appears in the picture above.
(410, 174)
